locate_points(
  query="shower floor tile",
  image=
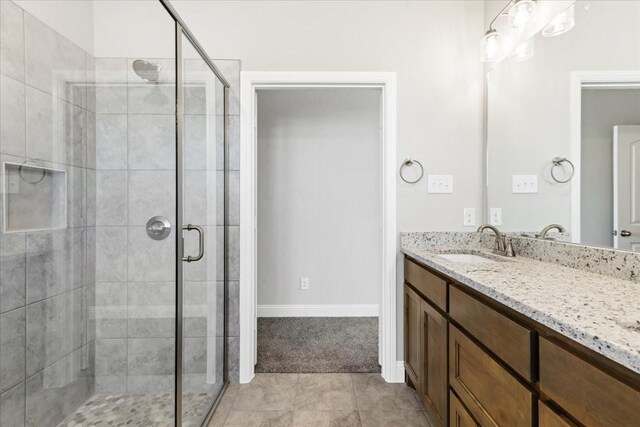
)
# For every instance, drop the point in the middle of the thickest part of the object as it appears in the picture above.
(137, 410)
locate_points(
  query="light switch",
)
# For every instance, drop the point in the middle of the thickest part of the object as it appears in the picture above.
(495, 216)
(524, 183)
(440, 183)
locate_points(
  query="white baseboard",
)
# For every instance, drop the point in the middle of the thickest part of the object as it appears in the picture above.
(399, 375)
(319, 310)
(396, 374)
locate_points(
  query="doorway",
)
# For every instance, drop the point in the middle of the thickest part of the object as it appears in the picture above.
(597, 99)
(252, 85)
(609, 116)
(318, 211)
(626, 177)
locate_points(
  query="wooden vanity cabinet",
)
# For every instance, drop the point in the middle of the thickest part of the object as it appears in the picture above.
(494, 396)
(475, 362)
(412, 336)
(508, 340)
(426, 336)
(458, 414)
(434, 385)
(591, 396)
(428, 284)
(547, 417)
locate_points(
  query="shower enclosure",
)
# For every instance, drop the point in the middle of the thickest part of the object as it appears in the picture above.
(113, 233)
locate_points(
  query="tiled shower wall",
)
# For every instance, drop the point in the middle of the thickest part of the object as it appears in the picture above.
(46, 277)
(96, 288)
(135, 180)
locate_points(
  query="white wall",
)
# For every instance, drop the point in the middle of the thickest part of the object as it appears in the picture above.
(133, 29)
(601, 110)
(431, 45)
(71, 18)
(109, 28)
(319, 196)
(529, 113)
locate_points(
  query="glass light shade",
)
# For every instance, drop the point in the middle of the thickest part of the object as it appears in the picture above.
(560, 24)
(524, 51)
(490, 46)
(520, 14)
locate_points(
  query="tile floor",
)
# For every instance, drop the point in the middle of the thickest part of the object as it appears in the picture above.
(317, 400)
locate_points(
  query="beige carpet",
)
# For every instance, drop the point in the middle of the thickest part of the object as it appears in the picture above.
(317, 345)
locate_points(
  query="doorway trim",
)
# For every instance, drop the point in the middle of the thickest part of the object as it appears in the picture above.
(250, 82)
(579, 80)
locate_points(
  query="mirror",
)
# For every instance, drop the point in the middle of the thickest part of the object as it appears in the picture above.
(563, 130)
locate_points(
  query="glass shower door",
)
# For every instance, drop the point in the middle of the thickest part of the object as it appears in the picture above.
(133, 83)
(105, 154)
(202, 123)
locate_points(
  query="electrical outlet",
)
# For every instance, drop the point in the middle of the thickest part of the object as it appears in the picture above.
(524, 183)
(304, 283)
(469, 217)
(440, 183)
(495, 216)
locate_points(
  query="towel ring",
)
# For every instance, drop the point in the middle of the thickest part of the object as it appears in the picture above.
(409, 162)
(557, 161)
(38, 181)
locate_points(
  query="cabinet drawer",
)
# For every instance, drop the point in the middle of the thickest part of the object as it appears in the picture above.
(493, 396)
(458, 414)
(591, 396)
(548, 418)
(428, 284)
(504, 337)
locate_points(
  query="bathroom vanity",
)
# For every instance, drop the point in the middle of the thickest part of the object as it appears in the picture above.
(493, 341)
(552, 336)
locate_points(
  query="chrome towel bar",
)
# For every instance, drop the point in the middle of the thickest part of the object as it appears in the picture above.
(408, 163)
(558, 161)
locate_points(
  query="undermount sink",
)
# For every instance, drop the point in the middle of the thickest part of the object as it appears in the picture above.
(467, 258)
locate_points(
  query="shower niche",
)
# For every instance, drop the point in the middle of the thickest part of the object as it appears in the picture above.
(34, 197)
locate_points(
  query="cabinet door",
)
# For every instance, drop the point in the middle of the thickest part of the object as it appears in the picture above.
(548, 418)
(412, 335)
(459, 416)
(434, 370)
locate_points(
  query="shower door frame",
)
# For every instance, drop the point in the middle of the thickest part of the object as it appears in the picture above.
(182, 31)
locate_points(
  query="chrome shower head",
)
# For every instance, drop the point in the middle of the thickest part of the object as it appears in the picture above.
(147, 70)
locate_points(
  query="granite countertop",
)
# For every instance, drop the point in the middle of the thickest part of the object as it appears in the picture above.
(600, 312)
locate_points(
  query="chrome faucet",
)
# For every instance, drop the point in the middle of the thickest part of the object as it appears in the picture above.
(543, 233)
(502, 247)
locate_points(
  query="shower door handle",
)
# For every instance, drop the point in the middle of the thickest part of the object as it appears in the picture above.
(198, 257)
